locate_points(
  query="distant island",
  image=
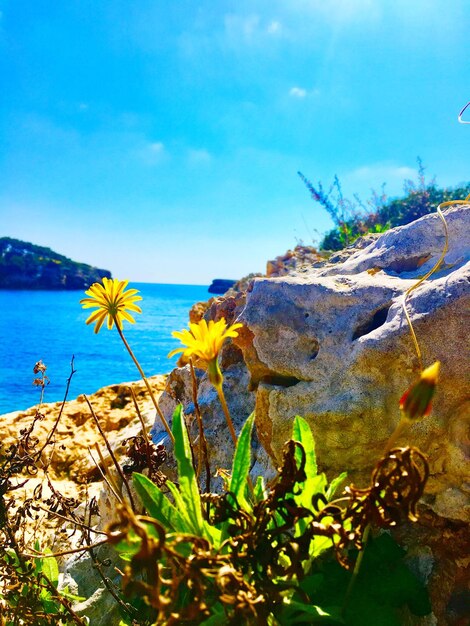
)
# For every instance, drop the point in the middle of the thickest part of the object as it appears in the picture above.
(24, 265)
(221, 285)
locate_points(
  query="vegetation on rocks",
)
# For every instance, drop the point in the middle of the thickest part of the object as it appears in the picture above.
(25, 265)
(354, 217)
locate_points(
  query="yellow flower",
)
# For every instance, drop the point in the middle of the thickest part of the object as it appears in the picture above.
(416, 402)
(204, 340)
(112, 301)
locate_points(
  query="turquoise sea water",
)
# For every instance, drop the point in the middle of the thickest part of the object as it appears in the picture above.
(50, 325)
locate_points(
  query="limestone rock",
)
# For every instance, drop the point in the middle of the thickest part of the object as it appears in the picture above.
(301, 258)
(70, 470)
(83, 580)
(333, 345)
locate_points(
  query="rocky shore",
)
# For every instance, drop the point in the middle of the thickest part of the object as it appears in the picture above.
(77, 431)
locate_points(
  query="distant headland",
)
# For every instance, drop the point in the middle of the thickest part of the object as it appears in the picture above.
(25, 265)
(221, 285)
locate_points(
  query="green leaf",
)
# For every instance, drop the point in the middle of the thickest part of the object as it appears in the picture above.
(302, 433)
(187, 475)
(241, 464)
(318, 545)
(395, 583)
(383, 584)
(158, 505)
(300, 612)
(334, 485)
(49, 605)
(50, 569)
(70, 596)
(181, 506)
(218, 617)
(259, 492)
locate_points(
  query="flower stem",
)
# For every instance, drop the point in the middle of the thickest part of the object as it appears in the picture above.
(357, 566)
(395, 435)
(228, 419)
(147, 384)
(203, 455)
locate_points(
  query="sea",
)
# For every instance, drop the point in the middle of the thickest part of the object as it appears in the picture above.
(50, 326)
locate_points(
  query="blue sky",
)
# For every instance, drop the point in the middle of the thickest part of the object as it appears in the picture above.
(160, 139)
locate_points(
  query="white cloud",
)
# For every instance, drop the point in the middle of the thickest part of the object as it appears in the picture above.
(373, 175)
(244, 26)
(381, 169)
(156, 147)
(152, 153)
(274, 28)
(251, 28)
(199, 156)
(298, 92)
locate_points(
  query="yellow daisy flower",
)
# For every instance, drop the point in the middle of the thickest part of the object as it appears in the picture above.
(204, 340)
(113, 301)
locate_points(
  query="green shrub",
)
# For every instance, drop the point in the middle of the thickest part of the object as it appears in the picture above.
(354, 218)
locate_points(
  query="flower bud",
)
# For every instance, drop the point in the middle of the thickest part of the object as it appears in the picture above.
(416, 402)
(214, 373)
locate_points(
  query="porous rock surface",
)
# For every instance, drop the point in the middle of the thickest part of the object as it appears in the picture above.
(301, 258)
(333, 345)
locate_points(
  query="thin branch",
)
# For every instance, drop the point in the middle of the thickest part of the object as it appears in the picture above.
(109, 585)
(63, 601)
(147, 384)
(64, 552)
(71, 521)
(111, 453)
(51, 434)
(144, 427)
(228, 419)
(105, 478)
(426, 276)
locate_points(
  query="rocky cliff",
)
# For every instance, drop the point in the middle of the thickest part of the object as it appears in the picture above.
(24, 265)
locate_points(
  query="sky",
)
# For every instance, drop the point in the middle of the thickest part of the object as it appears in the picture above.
(161, 139)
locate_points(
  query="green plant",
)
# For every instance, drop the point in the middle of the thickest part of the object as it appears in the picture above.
(204, 342)
(36, 598)
(255, 557)
(354, 218)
